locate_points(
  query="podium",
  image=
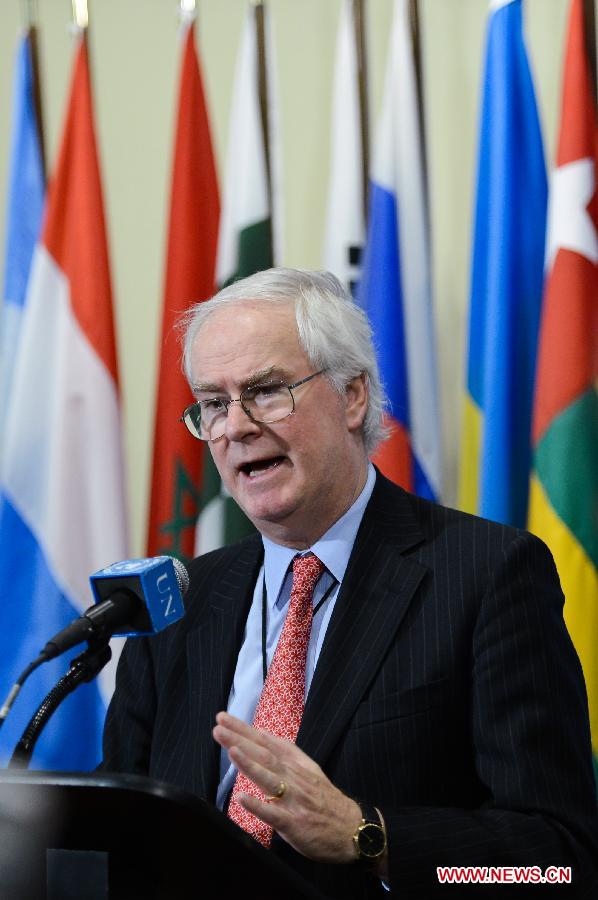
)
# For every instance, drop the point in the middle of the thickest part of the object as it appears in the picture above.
(122, 837)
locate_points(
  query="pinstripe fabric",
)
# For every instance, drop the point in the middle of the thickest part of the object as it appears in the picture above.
(447, 693)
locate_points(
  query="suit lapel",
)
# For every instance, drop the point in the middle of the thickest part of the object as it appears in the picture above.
(378, 586)
(213, 645)
(375, 595)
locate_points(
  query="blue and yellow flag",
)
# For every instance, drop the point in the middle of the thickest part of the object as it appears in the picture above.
(507, 279)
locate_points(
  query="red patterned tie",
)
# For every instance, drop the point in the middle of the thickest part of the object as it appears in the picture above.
(280, 705)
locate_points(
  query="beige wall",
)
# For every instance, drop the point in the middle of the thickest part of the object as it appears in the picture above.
(135, 69)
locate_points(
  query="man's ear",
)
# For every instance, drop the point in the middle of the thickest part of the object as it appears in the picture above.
(357, 393)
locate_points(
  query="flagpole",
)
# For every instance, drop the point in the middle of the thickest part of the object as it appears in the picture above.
(589, 16)
(415, 36)
(362, 92)
(30, 17)
(29, 12)
(262, 76)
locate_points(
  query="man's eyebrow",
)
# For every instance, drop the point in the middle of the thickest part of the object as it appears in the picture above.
(199, 387)
(265, 375)
(249, 381)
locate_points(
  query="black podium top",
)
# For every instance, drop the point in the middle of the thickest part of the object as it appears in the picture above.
(154, 841)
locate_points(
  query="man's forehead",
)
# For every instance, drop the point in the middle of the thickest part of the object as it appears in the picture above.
(249, 320)
(255, 310)
(248, 342)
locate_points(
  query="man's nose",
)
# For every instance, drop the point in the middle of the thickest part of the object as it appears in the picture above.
(238, 423)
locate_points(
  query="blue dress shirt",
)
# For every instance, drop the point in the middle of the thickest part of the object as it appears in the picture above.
(333, 549)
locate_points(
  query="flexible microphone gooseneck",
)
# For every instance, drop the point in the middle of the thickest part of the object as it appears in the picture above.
(135, 597)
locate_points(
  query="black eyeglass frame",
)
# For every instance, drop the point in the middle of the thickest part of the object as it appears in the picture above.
(239, 399)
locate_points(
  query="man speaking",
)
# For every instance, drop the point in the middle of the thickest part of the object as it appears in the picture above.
(374, 686)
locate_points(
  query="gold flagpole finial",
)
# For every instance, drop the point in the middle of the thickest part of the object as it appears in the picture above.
(80, 14)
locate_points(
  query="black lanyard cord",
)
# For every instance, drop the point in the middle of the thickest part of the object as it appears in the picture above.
(317, 607)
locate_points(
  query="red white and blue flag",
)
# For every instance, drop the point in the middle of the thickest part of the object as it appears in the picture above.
(61, 481)
(395, 288)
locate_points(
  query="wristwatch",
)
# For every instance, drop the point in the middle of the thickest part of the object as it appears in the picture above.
(370, 837)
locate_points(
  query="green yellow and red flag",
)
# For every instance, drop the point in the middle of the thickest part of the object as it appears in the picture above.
(564, 483)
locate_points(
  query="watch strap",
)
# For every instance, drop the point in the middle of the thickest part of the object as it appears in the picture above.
(369, 813)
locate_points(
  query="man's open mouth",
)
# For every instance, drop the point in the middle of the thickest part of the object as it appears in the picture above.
(255, 468)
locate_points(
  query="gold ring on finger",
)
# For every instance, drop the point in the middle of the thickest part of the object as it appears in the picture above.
(278, 793)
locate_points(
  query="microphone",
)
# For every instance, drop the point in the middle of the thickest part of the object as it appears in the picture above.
(134, 597)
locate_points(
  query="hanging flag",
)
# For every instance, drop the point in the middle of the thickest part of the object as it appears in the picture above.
(26, 187)
(564, 484)
(249, 238)
(506, 282)
(190, 277)
(61, 480)
(395, 289)
(345, 219)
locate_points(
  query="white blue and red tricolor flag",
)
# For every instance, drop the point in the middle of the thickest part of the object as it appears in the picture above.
(61, 479)
(507, 279)
(26, 188)
(395, 288)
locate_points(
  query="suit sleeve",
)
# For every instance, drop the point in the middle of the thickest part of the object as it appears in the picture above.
(530, 734)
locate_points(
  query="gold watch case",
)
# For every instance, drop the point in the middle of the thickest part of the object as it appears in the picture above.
(369, 840)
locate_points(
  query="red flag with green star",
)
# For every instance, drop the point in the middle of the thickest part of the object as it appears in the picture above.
(190, 277)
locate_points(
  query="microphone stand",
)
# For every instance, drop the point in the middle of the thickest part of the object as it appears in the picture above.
(83, 668)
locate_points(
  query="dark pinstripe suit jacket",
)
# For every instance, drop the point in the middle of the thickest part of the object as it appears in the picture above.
(447, 693)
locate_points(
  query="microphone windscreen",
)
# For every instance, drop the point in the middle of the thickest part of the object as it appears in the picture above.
(182, 575)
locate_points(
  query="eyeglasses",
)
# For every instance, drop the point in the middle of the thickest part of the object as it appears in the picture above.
(263, 403)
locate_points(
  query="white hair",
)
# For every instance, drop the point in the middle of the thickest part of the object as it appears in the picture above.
(333, 331)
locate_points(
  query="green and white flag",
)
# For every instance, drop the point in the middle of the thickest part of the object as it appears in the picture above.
(249, 238)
